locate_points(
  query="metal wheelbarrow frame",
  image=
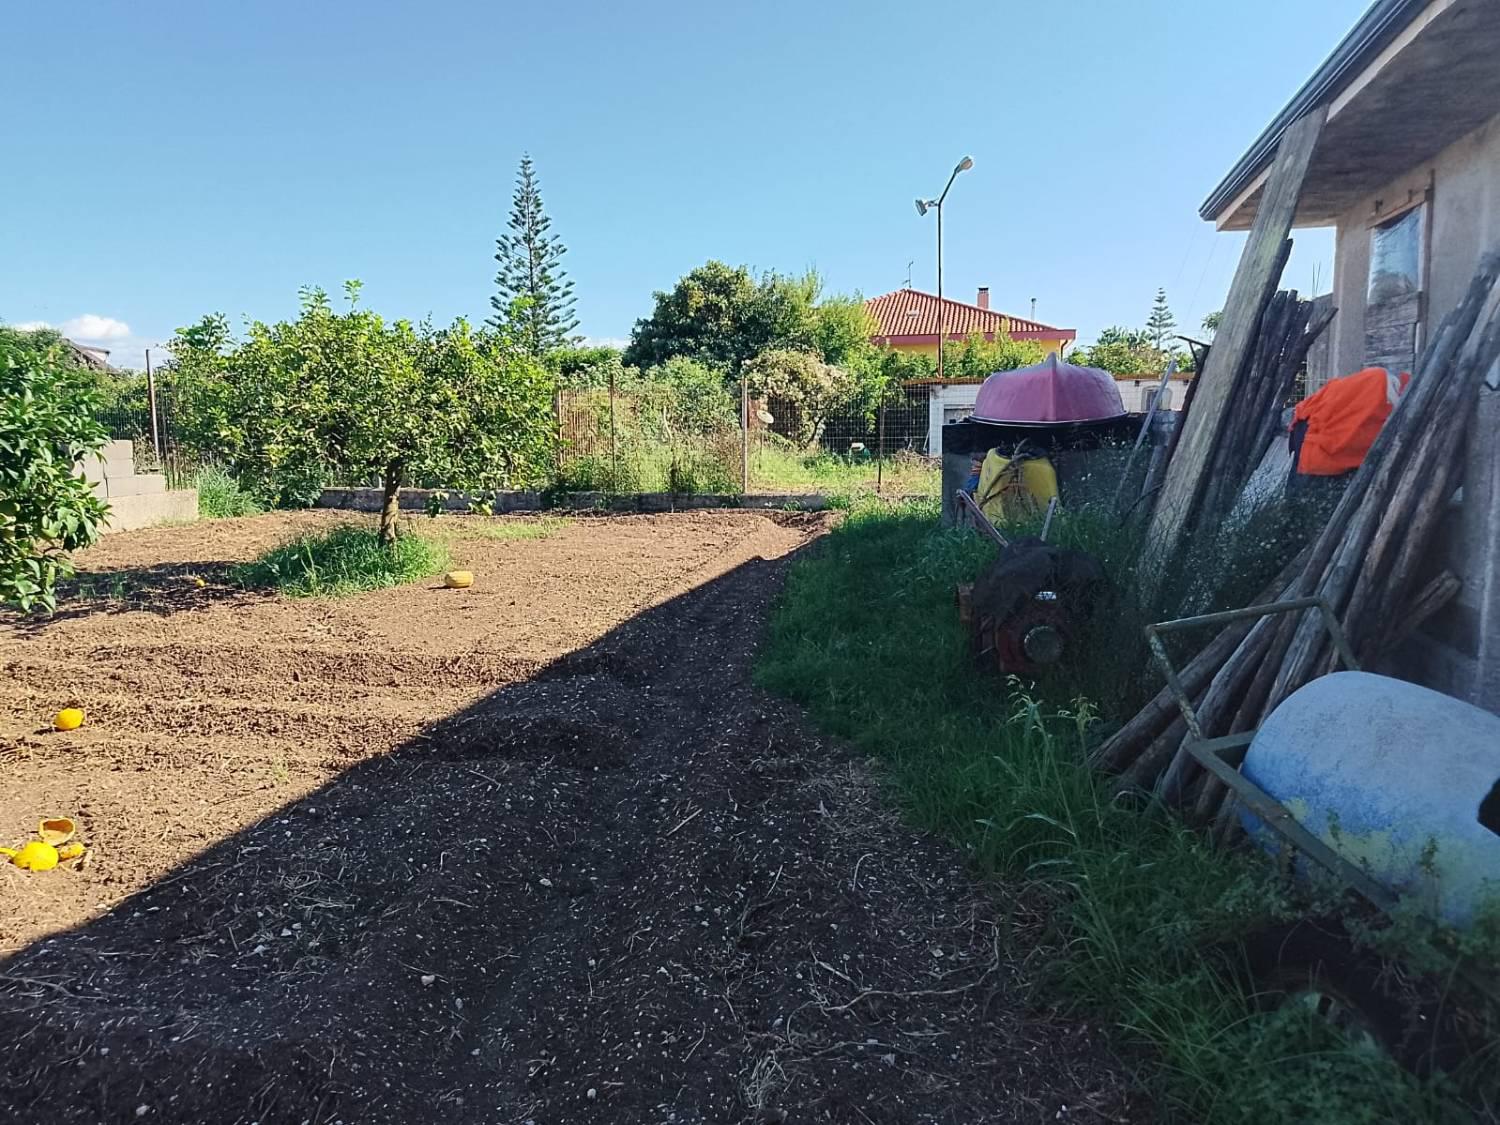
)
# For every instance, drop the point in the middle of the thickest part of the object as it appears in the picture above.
(1208, 752)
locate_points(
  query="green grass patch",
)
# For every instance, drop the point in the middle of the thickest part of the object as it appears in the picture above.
(220, 495)
(776, 469)
(1145, 915)
(505, 530)
(346, 560)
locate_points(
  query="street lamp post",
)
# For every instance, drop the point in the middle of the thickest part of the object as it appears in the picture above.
(923, 206)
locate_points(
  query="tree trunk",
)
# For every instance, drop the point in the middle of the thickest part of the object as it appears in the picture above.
(390, 509)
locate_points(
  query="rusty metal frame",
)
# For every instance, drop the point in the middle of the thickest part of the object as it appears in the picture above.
(1228, 616)
(1208, 752)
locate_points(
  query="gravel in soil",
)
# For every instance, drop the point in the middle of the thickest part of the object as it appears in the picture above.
(535, 851)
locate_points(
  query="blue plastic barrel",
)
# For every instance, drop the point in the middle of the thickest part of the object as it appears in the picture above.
(1399, 779)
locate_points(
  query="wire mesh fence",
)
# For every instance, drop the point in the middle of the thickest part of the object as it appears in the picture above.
(657, 438)
(653, 437)
(148, 417)
(878, 447)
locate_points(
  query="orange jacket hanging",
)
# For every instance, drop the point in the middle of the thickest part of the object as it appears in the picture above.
(1343, 419)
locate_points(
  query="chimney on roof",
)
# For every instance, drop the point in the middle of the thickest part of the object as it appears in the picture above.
(983, 300)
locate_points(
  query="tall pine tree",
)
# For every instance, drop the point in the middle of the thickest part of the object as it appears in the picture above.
(1160, 323)
(534, 297)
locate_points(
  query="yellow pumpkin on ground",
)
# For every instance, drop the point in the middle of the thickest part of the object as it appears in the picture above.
(69, 718)
(35, 856)
(458, 579)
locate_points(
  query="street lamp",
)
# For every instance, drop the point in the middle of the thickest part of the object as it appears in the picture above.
(923, 206)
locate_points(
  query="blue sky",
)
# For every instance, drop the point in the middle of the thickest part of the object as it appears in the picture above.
(169, 159)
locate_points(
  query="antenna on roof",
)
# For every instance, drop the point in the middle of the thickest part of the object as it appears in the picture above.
(1033, 308)
(908, 272)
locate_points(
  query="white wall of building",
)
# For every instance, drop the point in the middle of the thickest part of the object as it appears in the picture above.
(1464, 218)
(951, 403)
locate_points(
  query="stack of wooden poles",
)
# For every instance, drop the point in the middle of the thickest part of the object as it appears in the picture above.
(1287, 332)
(1368, 564)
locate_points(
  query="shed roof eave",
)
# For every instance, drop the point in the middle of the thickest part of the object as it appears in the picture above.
(1376, 29)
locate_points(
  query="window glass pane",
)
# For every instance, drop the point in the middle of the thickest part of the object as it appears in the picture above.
(1396, 257)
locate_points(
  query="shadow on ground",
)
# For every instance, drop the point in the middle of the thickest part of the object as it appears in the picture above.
(628, 888)
(164, 590)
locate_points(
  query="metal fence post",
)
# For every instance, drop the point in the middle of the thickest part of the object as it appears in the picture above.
(557, 423)
(880, 443)
(744, 436)
(151, 395)
(614, 447)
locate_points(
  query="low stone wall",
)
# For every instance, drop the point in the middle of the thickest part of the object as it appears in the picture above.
(416, 499)
(128, 513)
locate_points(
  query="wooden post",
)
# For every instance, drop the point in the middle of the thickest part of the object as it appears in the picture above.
(1255, 280)
(744, 436)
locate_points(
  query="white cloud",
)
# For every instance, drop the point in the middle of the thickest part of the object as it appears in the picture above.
(617, 342)
(30, 325)
(92, 328)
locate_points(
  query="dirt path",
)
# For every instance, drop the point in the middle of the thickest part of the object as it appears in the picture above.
(533, 852)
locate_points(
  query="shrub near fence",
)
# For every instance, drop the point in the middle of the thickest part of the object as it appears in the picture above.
(852, 449)
(659, 438)
(655, 438)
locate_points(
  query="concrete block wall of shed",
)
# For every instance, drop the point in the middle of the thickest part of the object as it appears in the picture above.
(127, 513)
(146, 484)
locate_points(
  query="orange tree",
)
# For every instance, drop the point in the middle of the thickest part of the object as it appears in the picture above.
(348, 396)
(47, 430)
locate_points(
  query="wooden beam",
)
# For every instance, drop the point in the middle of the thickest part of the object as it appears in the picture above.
(1255, 280)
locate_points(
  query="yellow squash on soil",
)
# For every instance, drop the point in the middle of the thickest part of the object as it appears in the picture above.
(69, 718)
(33, 856)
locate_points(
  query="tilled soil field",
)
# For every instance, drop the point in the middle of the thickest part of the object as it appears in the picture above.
(532, 852)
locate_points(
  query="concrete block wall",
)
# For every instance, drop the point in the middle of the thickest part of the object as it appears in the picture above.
(136, 499)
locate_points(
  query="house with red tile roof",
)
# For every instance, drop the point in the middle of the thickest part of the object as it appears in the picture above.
(910, 320)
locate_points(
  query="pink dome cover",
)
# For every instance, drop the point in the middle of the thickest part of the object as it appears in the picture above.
(1051, 391)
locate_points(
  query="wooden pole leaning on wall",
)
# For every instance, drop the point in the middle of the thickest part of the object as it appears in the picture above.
(1255, 280)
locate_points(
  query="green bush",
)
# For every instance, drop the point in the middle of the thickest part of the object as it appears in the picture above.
(344, 561)
(1144, 914)
(48, 429)
(220, 495)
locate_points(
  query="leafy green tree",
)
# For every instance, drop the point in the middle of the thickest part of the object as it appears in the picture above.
(1212, 320)
(806, 389)
(841, 330)
(978, 358)
(722, 316)
(1119, 358)
(1129, 337)
(348, 396)
(47, 430)
(534, 299)
(580, 368)
(1161, 323)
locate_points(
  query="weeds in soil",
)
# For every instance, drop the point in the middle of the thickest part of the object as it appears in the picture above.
(777, 469)
(1145, 915)
(507, 530)
(346, 560)
(220, 495)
